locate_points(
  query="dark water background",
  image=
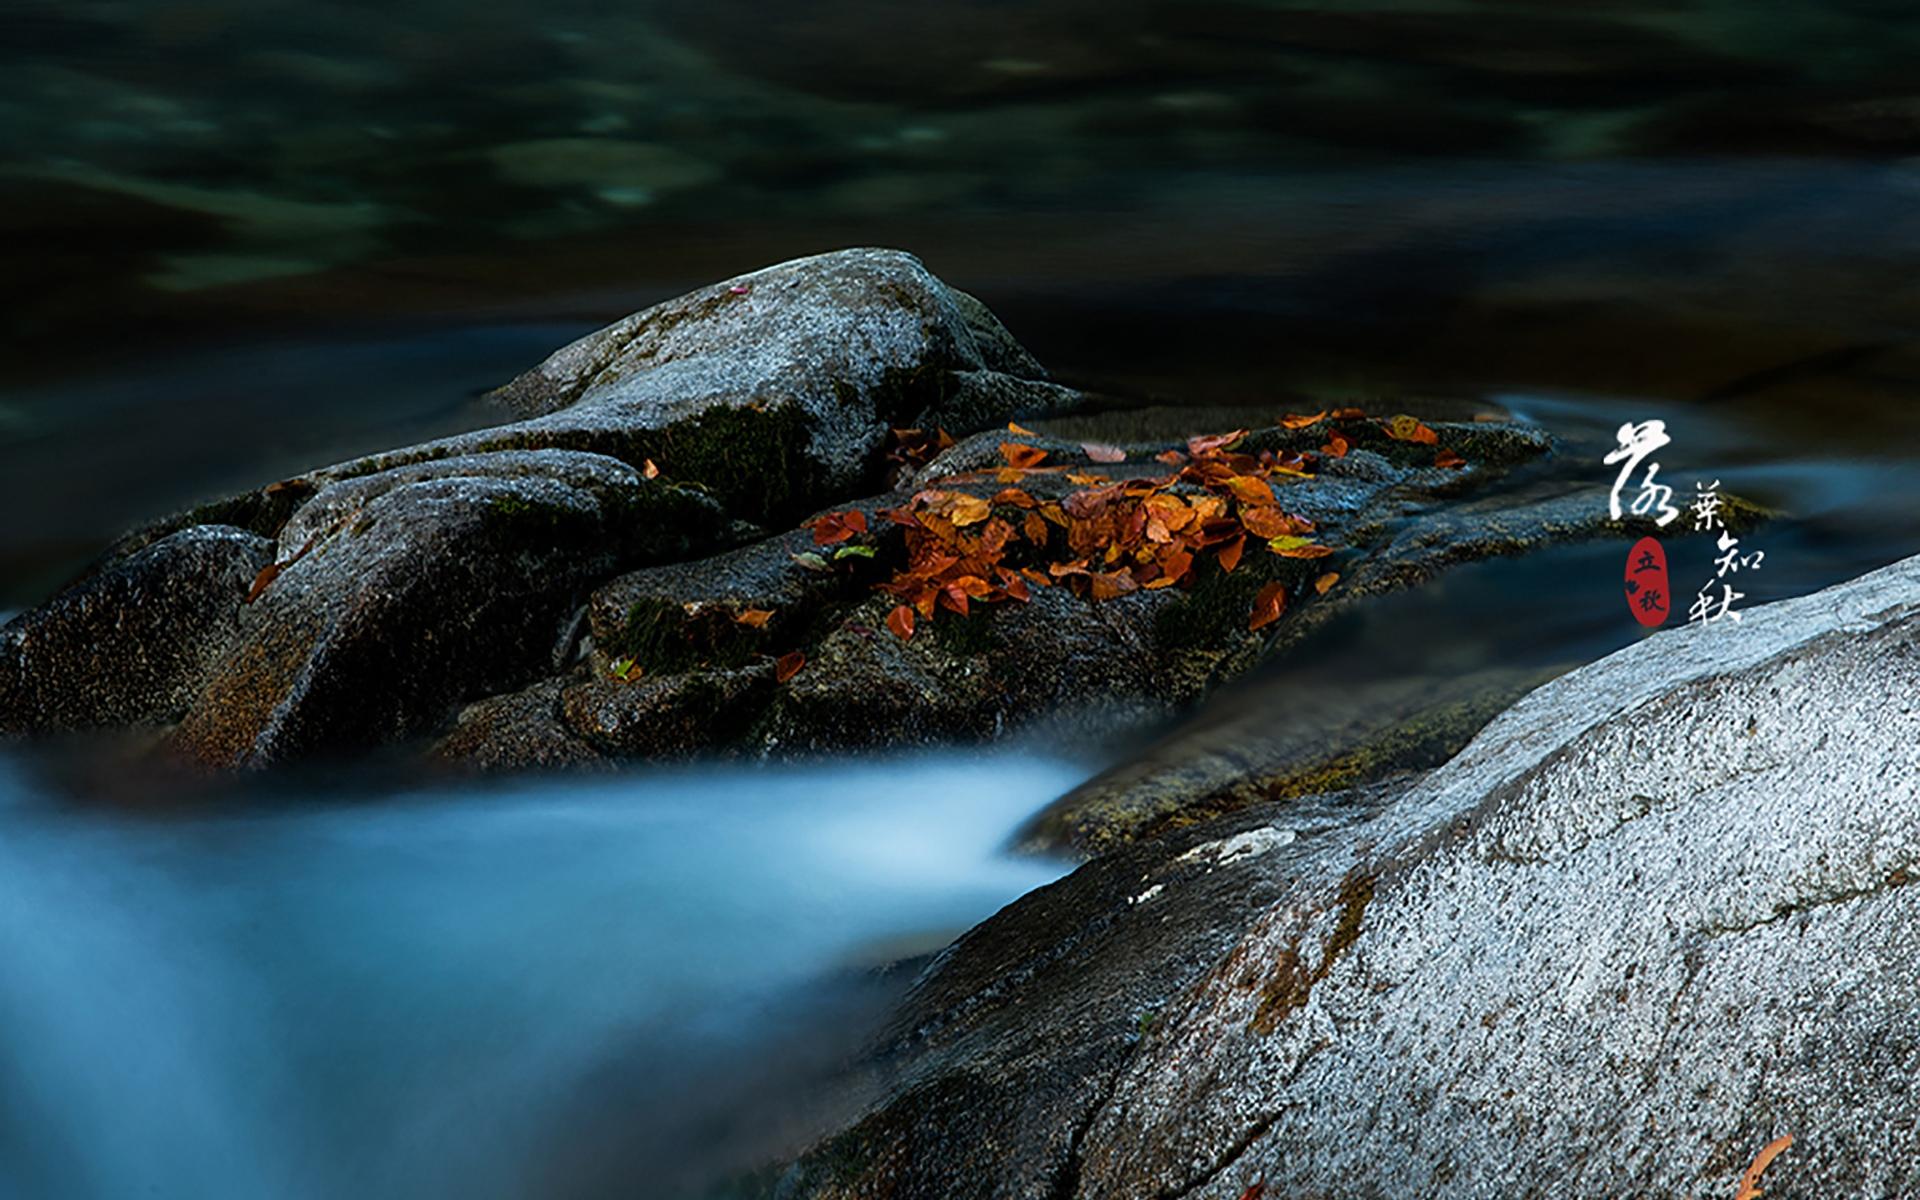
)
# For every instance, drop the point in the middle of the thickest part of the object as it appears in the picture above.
(241, 239)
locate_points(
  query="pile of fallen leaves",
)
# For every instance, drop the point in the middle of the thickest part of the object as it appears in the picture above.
(1106, 539)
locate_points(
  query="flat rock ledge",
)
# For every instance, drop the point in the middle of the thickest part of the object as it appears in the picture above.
(1653, 917)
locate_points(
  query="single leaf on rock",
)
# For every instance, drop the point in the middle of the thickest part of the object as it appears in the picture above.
(1325, 583)
(1103, 454)
(650, 470)
(754, 618)
(1021, 456)
(1015, 497)
(1404, 428)
(1230, 554)
(1750, 1181)
(853, 552)
(1298, 547)
(1201, 447)
(1336, 446)
(788, 665)
(1347, 414)
(1022, 430)
(900, 620)
(1302, 421)
(838, 527)
(1447, 458)
(267, 575)
(812, 561)
(1268, 605)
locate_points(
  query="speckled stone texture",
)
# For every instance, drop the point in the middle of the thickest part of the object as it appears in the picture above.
(1652, 917)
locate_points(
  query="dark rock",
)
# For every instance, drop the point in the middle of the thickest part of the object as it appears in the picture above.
(519, 731)
(1652, 917)
(407, 584)
(1011, 1041)
(405, 592)
(131, 644)
(1278, 747)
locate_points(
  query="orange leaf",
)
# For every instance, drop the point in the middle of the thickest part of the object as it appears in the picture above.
(1021, 456)
(1267, 521)
(1230, 554)
(1336, 446)
(1022, 430)
(1267, 606)
(1200, 447)
(969, 510)
(755, 618)
(900, 620)
(1035, 527)
(1404, 428)
(1325, 583)
(1109, 584)
(1015, 497)
(1347, 414)
(1172, 458)
(1249, 490)
(650, 470)
(1750, 1182)
(267, 575)
(788, 665)
(1297, 421)
(1447, 458)
(1103, 454)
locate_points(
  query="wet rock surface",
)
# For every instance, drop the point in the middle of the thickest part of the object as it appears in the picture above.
(1653, 917)
(610, 553)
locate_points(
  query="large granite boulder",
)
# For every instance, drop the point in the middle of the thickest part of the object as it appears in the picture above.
(1654, 917)
(362, 603)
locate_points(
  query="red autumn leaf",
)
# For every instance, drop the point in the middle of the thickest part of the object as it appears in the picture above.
(1299, 421)
(755, 618)
(788, 665)
(900, 620)
(1267, 606)
(1103, 454)
(1172, 458)
(1022, 457)
(1255, 1191)
(954, 598)
(1230, 554)
(1200, 447)
(1336, 446)
(837, 527)
(1447, 458)
(1404, 428)
(1015, 497)
(1325, 583)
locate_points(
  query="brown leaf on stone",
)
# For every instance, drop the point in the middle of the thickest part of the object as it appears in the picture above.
(1267, 606)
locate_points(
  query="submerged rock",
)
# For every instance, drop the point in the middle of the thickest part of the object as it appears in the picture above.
(1652, 918)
